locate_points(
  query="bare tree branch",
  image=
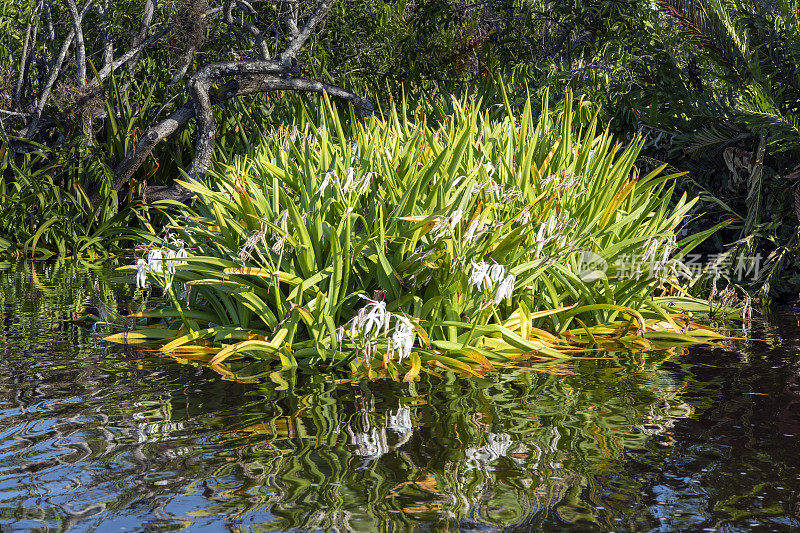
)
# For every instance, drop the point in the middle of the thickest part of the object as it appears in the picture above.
(48, 17)
(80, 47)
(291, 20)
(138, 39)
(108, 43)
(27, 48)
(233, 89)
(55, 70)
(261, 43)
(300, 39)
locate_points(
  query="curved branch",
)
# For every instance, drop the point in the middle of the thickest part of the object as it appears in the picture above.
(233, 89)
(54, 73)
(263, 50)
(300, 39)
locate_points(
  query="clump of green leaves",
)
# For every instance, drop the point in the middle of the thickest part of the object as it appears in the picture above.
(390, 247)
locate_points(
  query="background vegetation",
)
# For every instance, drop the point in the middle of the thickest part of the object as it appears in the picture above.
(713, 85)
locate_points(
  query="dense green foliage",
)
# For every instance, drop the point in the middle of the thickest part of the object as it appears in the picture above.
(472, 236)
(713, 86)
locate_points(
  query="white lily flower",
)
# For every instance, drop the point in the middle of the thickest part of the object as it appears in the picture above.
(447, 225)
(141, 274)
(469, 236)
(154, 260)
(181, 253)
(169, 263)
(505, 289)
(525, 216)
(325, 182)
(283, 224)
(497, 272)
(374, 318)
(349, 180)
(364, 182)
(480, 276)
(403, 337)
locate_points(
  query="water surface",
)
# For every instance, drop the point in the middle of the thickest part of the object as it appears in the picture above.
(102, 437)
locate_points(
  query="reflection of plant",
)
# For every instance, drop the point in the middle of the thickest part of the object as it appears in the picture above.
(55, 294)
(523, 442)
(300, 450)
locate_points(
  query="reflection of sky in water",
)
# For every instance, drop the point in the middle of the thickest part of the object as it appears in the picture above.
(108, 438)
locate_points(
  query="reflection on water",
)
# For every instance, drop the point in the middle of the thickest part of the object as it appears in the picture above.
(100, 437)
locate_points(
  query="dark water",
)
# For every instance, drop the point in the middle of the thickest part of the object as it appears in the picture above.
(98, 437)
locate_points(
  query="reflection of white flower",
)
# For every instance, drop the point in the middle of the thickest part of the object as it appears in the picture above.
(505, 289)
(141, 274)
(400, 422)
(368, 444)
(497, 445)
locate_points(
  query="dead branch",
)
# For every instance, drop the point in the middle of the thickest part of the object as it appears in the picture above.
(258, 35)
(233, 89)
(302, 36)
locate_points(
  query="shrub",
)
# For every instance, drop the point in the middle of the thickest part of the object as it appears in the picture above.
(400, 246)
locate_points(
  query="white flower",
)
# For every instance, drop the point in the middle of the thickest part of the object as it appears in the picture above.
(283, 225)
(489, 167)
(505, 289)
(480, 276)
(141, 274)
(169, 263)
(525, 216)
(497, 272)
(447, 225)
(363, 183)
(154, 260)
(349, 180)
(171, 259)
(325, 182)
(403, 338)
(374, 317)
(469, 236)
